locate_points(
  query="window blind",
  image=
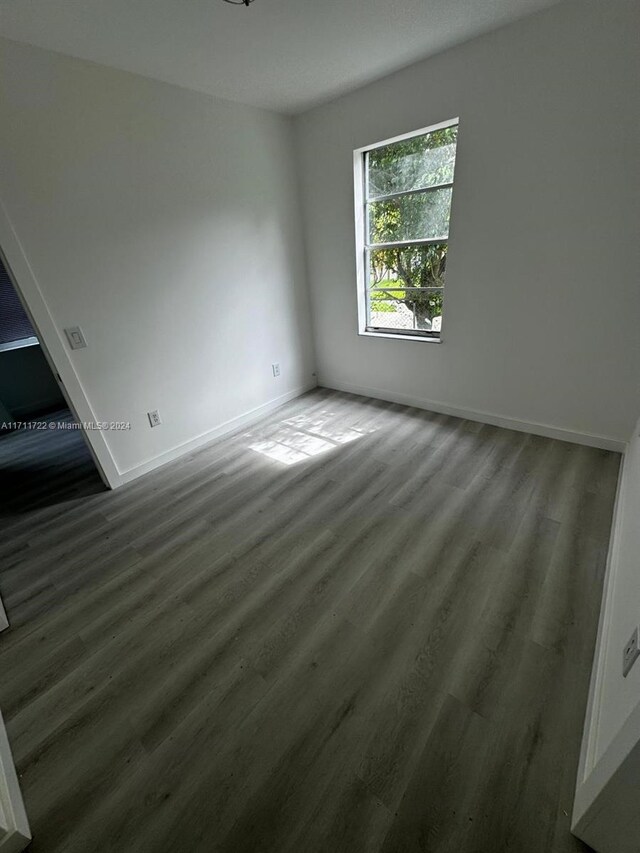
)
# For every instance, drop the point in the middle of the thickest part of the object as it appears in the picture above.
(14, 323)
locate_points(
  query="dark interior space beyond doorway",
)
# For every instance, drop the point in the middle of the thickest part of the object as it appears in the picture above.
(44, 460)
(43, 464)
(28, 387)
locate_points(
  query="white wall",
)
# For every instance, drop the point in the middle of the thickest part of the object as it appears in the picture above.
(619, 696)
(166, 224)
(607, 808)
(542, 303)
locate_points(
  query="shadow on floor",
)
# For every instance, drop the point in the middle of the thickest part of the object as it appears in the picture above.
(45, 465)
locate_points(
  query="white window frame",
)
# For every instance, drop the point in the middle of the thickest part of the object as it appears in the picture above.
(362, 233)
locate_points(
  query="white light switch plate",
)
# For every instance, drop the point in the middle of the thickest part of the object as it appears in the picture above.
(76, 338)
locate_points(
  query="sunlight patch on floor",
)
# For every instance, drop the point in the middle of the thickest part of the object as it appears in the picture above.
(303, 437)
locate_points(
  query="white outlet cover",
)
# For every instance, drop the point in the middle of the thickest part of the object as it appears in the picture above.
(154, 418)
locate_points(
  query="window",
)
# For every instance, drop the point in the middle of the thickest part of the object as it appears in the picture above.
(15, 327)
(403, 201)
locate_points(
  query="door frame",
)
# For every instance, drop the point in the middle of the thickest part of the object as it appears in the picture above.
(54, 347)
(15, 833)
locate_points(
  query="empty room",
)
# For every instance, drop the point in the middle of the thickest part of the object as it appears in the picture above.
(320, 437)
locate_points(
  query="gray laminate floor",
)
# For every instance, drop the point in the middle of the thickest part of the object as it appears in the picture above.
(356, 627)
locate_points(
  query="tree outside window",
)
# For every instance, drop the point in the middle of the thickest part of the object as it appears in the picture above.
(407, 197)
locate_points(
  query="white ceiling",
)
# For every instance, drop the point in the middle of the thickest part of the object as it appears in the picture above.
(285, 55)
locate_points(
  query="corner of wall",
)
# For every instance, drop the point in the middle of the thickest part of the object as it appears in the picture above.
(298, 170)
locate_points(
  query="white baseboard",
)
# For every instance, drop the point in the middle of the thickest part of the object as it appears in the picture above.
(211, 435)
(588, 439)
(15, 834)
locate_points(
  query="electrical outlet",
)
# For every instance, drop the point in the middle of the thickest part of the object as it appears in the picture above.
(154, 418)
(630, 654)
(276, 369)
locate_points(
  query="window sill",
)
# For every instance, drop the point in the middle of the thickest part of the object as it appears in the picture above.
(421, 338)
(23, 342)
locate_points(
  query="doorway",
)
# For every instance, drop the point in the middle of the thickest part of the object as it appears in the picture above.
(45, 463)
(28, 387)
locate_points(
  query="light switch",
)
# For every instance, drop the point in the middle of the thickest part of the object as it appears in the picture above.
(75, 337)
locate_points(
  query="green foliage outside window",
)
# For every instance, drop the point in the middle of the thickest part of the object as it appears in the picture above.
(407, 166)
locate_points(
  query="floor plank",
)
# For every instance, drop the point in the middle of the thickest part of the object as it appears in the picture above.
(355, 626)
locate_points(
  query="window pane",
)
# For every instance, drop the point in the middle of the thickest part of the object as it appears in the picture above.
(410, 217)
(398, 297)
(423, 161)
(422, 314)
